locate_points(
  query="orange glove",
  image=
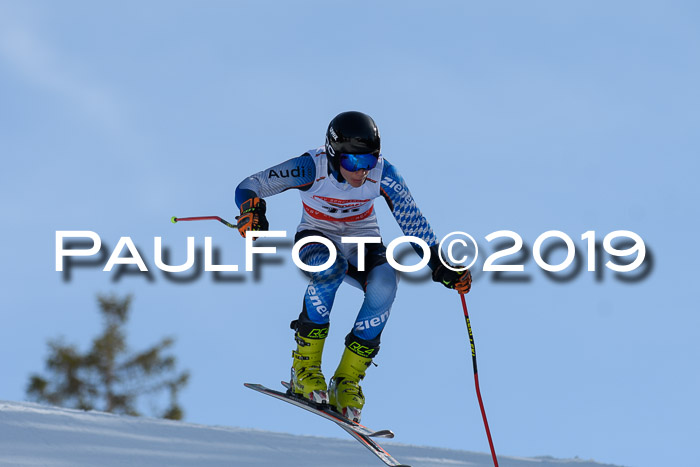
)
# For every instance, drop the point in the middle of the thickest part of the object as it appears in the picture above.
(252, 216)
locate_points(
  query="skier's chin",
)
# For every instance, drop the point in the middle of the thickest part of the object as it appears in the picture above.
(356, 183)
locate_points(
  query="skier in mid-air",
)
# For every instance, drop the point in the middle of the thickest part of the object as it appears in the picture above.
(338, 183)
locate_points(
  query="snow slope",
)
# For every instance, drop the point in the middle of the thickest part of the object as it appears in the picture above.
(36, 435)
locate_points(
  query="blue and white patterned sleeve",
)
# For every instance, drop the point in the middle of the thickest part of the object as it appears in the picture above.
(406, 212)
(298, 172)
(404, 208)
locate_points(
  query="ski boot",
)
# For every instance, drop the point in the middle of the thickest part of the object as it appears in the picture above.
(346, 395)
(307, 380)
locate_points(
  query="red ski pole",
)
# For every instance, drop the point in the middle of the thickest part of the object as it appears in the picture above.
(203, 218)
(476, 381)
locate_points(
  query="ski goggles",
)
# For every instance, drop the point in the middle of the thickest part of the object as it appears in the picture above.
(355, 162)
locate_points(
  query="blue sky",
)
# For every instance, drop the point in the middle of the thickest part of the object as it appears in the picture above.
(524, 116)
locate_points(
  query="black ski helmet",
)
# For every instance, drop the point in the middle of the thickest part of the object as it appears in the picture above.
(351, 133)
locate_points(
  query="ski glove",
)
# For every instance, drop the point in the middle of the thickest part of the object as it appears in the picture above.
(252, 216)
(458, 280)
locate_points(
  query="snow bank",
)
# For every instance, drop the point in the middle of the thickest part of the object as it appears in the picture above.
(36, 435)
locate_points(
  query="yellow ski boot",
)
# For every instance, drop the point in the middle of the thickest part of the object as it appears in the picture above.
(345, 392)
(307, 379)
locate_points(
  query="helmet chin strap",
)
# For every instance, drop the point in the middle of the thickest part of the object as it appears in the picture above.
(333, 170)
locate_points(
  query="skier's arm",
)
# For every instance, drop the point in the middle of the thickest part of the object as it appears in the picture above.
(298, 173)
(413, 223)
(402, 205)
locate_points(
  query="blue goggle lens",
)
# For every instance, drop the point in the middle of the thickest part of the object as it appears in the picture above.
(355, 162)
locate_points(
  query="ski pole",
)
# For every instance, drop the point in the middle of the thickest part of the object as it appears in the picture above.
(204, 218)
(476, 381)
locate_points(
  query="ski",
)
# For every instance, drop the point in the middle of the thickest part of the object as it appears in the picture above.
(358, 431)
(325, 412)
(375, 448)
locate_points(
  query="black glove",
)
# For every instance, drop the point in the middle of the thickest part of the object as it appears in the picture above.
(252, 216)
(458, 280)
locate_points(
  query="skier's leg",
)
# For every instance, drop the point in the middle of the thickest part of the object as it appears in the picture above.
(323, 285)
(380, 292)
(312, 325)
(362, 343)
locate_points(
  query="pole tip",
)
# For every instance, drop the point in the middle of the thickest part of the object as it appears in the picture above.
(173, 219)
